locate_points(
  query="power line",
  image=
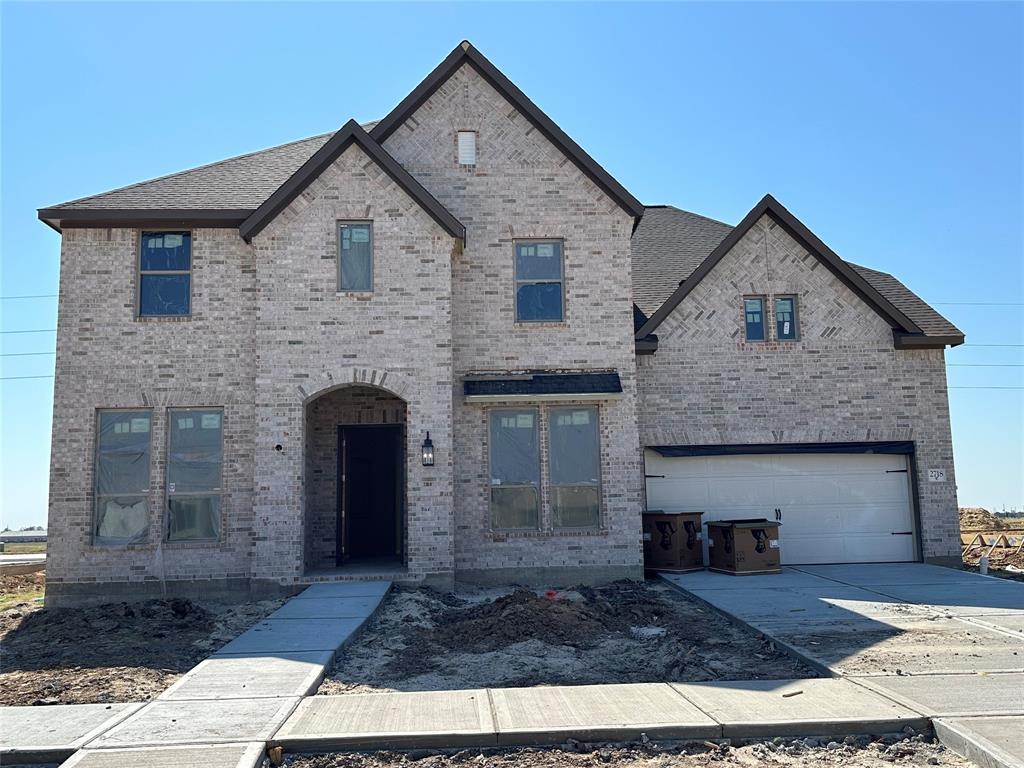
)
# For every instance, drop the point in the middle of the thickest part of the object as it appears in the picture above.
(14, 378)
(34, 330)
(958, 365)
(979, 303)
(35, 296)
(971, 344)
(25, 354)
(985, 387)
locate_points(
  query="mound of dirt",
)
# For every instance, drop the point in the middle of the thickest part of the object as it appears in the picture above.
(110, 653)
(618, 633)
(14, 584)
(979, 519)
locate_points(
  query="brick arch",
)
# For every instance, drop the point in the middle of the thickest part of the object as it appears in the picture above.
(331, 379)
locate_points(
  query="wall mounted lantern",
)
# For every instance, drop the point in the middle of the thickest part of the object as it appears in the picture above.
(428, 452)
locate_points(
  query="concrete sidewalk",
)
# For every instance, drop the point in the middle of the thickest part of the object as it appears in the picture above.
(945, 643)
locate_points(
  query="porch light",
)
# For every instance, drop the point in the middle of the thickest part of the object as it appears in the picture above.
(428, 452)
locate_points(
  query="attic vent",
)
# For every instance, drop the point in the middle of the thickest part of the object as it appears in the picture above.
(467, 147)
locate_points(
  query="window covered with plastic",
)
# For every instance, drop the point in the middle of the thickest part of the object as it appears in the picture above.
(515, 469)
(122, 477)
(165, 274)
(195, 457)
(539, 282)
(575, 468)
(355, 256)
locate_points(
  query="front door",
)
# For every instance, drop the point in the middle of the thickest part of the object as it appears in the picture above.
(370, 492)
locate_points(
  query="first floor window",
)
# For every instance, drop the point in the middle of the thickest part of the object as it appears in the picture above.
(515, 469)
(785, 318)
(122, 476)
(753, 313)
(575, 468)
(195, 456)
(539, 282)
(355, 256)
(165, 274)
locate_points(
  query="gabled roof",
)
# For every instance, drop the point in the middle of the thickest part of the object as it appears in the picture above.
(465, 53)
(349, 134)
(655, 263)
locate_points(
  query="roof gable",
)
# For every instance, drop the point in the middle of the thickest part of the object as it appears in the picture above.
(903, 326)
(349, 134)
(465, 53)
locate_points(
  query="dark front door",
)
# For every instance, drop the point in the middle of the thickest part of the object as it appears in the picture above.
(370, 492)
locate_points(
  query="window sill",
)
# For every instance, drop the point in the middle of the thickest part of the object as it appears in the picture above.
(541, 324)
(163, 318)
(193, 544)
(548, 533)
(355, 294)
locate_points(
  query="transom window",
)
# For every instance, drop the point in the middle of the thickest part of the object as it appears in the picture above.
(355, 256)
(753, 313)
(515, 469)
(122, 477)
(195, 457)
(539, 281)
(165, 274)
(574, 465)
(786, 319)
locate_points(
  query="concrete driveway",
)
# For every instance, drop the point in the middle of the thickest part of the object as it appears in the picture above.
(947, 643)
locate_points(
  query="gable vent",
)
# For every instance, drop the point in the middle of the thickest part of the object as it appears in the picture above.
(467, 147)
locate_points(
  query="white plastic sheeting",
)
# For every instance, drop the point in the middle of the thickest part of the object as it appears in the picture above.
(515, 469)
(122, 477)
(194, 471)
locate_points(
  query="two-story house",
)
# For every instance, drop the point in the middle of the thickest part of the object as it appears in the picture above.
(449, 345)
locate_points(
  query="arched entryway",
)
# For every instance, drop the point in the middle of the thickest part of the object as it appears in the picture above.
(355, 479)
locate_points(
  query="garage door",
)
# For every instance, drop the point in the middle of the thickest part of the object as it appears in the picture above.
(834, 508)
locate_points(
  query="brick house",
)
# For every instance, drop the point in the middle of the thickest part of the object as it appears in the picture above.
(449, 345)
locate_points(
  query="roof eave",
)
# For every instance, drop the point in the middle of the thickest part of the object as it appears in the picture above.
(65, 218)
(466, 53)
(348, 134)
(903, 340)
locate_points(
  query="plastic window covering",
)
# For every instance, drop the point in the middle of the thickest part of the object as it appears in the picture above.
(195, 457)
(539, 274)
(574, 467)
(785, 318)
(515, 469)
(122, 477)
(753, 312)
(165, 274)
(356, 257)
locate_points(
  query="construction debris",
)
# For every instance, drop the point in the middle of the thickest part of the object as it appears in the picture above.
(999, 540)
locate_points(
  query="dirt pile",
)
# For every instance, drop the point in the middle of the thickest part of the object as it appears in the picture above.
(12, 585)
(854, 752)
(618, 633)
(110, 653)
(979, 519)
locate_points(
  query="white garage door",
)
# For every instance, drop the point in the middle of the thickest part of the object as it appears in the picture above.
(835, 508)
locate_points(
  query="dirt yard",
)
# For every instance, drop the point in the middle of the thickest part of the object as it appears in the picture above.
(1002, 561)
(21, 588)
(806, 753)
(626, 632)
(109, 653)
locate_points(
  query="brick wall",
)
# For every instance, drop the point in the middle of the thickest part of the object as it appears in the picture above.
(313, 340)
(524, 187)
(108, 358)
(841, 382)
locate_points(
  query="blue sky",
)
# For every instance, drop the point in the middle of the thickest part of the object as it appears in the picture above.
(893, 130)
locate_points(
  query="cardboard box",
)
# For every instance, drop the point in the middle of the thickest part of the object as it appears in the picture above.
(743, 547)
(672, 541)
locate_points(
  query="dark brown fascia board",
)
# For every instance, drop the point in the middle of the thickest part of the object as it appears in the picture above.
(920, 341)
(648, 345)
(772, 207)
(466, 53)
(66, 218)
(350, 133)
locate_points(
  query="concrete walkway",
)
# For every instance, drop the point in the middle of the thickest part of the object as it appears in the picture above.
(945, 643)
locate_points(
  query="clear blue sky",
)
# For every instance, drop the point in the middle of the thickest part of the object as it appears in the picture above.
(893, 130)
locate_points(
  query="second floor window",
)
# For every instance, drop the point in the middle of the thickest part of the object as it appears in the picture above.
(785, 318)
(165, 274)
(753, 317)
(539, 282)
(355, 256)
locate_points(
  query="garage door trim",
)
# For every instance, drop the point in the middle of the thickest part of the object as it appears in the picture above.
(904, 447)
(896, 447)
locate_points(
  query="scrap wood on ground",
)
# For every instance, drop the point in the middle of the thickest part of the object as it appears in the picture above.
(625, 632)
(118, 652)
(999, 539)
(853, 751)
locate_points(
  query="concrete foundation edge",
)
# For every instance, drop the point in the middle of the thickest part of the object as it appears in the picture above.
(553, 576)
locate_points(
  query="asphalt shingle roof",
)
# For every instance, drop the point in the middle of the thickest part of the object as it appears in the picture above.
(669, 244)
